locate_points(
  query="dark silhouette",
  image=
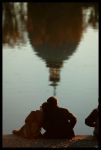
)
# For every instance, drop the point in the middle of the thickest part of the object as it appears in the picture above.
(58, 122)
(93, 121)
(32, 127)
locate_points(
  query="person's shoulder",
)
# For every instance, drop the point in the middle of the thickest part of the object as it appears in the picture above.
(63, 109)
(39, 112)
(95, 110)
(34, 112)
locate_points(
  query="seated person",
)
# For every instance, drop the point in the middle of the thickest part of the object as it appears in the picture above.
(93, 121)
(32, 127)
(58, 122)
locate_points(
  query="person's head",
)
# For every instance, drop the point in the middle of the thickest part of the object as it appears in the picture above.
(44, 107)
(52, 101)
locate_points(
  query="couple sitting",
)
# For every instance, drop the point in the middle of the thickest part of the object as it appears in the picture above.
(57, 122)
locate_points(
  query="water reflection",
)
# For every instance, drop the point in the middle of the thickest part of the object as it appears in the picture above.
(92, 11)
(14, 23)
(21, 66)
(53, 35)
(15, 17)
(54, 30)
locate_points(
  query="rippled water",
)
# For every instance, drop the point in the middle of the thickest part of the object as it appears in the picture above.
(53, 55)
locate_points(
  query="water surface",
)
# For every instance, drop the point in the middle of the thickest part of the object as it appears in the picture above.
(47, 55)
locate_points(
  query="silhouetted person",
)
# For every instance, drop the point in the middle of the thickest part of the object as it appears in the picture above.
(58, 122)
(93, 121)
(32, 127)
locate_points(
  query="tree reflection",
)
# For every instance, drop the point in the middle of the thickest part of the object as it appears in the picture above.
(93, 15)
(13, 24)
(15, 16)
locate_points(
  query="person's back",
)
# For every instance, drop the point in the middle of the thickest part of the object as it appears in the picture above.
(32, 127)
(59, 123)
(92, 120)
(35, 116)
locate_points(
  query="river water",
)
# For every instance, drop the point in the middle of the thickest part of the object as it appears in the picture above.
(52, 53)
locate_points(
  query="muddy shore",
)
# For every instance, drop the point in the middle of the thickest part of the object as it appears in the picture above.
(12, 141)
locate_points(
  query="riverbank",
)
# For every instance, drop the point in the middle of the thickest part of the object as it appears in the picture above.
(12, 141)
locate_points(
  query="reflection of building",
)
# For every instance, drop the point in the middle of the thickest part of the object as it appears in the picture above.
(54, 31)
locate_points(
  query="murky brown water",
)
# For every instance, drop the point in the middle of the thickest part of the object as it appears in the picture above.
(49, 49)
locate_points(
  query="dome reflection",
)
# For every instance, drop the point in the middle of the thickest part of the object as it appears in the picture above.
(55, 31)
